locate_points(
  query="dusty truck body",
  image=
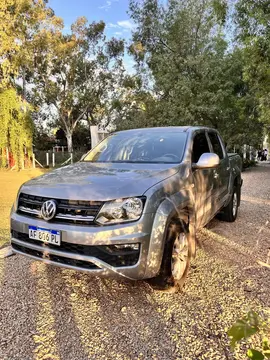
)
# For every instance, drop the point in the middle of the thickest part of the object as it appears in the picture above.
(131, 206)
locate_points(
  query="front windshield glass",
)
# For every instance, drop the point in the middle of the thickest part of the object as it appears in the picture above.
(140, 147)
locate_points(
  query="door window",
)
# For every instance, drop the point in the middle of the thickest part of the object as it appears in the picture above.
(200, 146)
(217, 148)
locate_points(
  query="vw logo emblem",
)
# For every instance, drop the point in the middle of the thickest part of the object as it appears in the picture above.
(48, 210)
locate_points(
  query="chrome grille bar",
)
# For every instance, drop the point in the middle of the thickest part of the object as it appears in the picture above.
(29, 211)
(58, 216)
(68, 210)
(74, 217)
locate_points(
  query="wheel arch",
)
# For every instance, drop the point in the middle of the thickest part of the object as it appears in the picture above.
(166, 213)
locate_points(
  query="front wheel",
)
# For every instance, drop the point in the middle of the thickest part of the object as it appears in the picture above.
(176, 259)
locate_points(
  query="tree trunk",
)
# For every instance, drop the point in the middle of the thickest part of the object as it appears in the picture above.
(23, 84)
(89, 124)
(69, 142)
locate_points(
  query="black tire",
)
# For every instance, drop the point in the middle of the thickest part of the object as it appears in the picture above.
(230, 212)
(171, 276)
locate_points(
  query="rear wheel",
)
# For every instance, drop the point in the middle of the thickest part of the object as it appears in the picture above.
(176, 260)
(230, 212)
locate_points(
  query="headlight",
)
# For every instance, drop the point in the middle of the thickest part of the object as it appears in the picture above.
(119, 211)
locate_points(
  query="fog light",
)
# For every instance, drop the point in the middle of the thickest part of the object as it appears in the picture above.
(128, 247)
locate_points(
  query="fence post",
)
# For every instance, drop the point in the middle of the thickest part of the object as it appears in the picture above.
(63, 149)
(53, 159)
(245, 152)
(34, 161)
(71, 158)
(47, 159)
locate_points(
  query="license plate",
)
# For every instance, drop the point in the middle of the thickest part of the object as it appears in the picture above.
(45, 235)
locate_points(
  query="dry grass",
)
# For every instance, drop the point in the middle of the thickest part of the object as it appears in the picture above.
(10, 182)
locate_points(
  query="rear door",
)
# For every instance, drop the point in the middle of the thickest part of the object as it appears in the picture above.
(221, 174)
(203, 180)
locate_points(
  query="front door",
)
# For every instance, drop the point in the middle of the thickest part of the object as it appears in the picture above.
(203, 180)
(222, 172)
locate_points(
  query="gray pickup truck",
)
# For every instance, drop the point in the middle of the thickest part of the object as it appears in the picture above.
(131, 206)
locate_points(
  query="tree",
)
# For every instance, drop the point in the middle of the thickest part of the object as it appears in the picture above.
(135, 106)
(27, 26)
(81, 77)
(177, 44)
(194, 79)
(253, 20)
(81, 138)
(16, 127)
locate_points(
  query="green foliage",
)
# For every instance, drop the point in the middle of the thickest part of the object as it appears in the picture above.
(182, 53)
(253, 20)
(248, 163)
(134, 107)
(16, 128)
(250, 325)
(188, 71)
(255, 355)
(27, 26)
(192, 74)
(81, 137)
(82, 78)
(244, 328)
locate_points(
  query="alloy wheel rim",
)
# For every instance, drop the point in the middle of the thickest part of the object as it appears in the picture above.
(179, 256)
(234, 209)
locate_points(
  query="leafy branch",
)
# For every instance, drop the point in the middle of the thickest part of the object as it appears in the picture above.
(245, 328)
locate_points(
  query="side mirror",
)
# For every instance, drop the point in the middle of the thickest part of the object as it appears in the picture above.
(207, 161)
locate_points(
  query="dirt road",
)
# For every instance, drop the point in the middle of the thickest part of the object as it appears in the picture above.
(49, 313)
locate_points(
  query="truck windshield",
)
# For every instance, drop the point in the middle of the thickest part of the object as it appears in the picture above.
(140, 147)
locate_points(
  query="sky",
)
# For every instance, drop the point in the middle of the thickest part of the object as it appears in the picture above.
(112, 12)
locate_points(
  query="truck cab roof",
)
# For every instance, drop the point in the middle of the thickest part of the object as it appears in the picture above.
(167, 129)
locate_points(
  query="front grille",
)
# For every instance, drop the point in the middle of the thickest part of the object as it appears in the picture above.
(68, 211)
(107, 253)
(55, 258)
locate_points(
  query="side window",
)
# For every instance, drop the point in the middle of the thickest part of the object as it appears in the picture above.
(217, 148)
(200, 146)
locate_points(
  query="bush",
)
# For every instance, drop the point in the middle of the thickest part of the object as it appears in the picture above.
(249, 163)
(247, 327)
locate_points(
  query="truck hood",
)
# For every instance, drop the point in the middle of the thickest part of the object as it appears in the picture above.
(99, 181)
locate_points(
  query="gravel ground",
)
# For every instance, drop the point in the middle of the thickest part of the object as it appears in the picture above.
(50, 313)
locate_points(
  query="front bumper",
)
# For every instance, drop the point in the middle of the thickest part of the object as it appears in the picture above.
(88, 248)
